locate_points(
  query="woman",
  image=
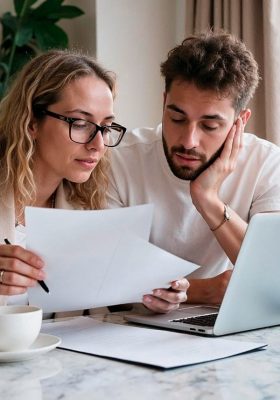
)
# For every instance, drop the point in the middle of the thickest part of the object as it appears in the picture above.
(55, 125)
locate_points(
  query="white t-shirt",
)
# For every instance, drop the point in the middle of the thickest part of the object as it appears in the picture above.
(140, 174)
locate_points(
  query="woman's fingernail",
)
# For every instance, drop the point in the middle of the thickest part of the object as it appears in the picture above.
(41, 275)
(36, 261)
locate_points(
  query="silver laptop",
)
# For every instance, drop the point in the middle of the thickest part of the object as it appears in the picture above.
(252, 298)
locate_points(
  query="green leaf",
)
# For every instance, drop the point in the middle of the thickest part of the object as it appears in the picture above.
(22, 56)
(20, 4)
(2, 90)
(54, 3)
(9, 21)
(50, 36)
(4, 67)
(56, 11)
(46, 8)
(23, 35)
(7, 44)
(66, 12)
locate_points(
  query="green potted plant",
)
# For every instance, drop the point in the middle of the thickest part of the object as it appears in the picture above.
(30, 31)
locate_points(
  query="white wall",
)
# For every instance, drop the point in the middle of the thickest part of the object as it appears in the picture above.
(6, 5)
(81, 30)
(132, 39)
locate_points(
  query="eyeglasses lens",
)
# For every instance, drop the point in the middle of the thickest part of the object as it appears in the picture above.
(82, 131)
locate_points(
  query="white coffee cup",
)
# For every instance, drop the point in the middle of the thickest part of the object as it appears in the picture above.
(19, 327)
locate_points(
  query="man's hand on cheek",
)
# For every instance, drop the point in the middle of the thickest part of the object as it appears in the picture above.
(206, 186)
(164, 300)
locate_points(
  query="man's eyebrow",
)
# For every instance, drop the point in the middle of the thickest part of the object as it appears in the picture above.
(213, 116)
(175, 108)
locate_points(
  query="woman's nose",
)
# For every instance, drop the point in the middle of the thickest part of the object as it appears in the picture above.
(96, 142)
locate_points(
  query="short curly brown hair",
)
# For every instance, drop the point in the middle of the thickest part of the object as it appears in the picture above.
(214, 61)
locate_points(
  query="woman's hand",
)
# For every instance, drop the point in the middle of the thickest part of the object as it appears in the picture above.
(165, 300)
(19, 270)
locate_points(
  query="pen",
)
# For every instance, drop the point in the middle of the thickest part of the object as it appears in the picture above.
(41, 283)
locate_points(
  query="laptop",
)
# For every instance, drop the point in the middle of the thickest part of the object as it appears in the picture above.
(252, 298)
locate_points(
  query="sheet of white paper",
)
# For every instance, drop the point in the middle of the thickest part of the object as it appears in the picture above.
(96, 258)
(147, 346)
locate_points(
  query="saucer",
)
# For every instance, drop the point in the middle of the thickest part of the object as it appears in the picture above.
(42, 344)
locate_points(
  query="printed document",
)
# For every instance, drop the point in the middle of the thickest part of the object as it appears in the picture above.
(141, 345)
(98, 258)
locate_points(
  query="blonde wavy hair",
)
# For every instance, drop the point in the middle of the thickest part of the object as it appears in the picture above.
(39, 85)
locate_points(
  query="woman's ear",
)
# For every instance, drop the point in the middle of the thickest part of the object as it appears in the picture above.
(245, 115)
(33, 128)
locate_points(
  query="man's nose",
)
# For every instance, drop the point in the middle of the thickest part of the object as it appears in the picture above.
(190, 136)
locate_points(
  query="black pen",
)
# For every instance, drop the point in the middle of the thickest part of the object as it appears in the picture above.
(41, 283)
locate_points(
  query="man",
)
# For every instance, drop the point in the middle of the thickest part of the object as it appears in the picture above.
(205, 176)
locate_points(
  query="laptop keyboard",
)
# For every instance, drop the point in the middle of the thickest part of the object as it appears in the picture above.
(202, 320)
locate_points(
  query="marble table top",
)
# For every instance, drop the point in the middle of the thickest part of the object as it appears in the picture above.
(62, 374)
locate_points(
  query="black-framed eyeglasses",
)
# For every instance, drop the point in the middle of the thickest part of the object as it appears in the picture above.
(83, 131)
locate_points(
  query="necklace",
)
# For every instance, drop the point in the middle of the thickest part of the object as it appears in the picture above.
(51, 204)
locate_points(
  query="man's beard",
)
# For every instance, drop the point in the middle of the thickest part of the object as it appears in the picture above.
(187, 173)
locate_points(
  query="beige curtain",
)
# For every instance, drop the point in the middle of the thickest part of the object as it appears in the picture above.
(257, 23)
(271, 18)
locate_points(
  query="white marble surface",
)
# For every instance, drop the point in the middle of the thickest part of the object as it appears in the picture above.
(62, 374)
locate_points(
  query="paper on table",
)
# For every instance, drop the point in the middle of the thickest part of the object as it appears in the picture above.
(147, 346)
(97, 258)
